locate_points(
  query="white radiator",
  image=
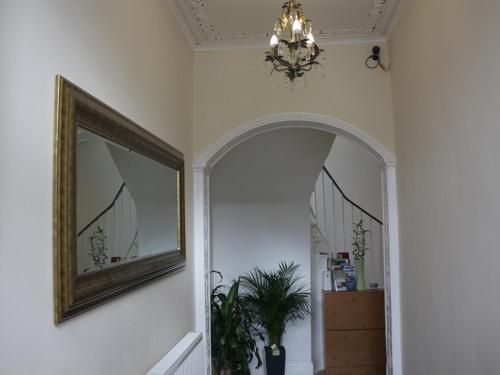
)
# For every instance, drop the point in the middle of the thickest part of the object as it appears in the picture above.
(185, 358)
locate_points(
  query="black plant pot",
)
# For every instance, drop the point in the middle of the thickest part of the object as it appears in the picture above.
(275, 365)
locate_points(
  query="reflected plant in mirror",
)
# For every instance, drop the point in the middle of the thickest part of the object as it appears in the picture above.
(98, 248)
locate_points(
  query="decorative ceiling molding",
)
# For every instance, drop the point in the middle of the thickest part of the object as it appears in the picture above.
(395, 18)
(199, 11)
(202, 34)
(177, 13)
(375, 16)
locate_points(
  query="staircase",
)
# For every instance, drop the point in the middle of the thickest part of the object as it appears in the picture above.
(111, 237)
(332, 217)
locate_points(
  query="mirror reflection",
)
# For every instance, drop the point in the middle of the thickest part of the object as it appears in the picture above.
(126, 204)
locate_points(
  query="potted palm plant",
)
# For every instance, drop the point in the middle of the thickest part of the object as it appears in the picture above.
(275, 298)
(233, 332)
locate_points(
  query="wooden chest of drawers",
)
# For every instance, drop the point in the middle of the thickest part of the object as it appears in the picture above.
(354, 333)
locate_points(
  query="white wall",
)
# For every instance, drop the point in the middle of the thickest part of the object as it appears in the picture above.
(232, 88)
(120, 51)
(446, 82)
(358, 174)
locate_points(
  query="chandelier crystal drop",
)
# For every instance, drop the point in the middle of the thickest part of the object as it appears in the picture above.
(292, 46)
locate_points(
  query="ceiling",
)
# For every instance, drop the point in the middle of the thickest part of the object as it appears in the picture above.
(280, 165)
(216, 24)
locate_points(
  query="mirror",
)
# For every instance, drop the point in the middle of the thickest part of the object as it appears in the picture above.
(126, 204)
(118, 204)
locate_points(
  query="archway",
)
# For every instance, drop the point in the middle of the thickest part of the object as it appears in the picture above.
(202, 242)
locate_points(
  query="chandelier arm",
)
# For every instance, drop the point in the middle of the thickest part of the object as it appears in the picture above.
(281, 68)
(310, 65)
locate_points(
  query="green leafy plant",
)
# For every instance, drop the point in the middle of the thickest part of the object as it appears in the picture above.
(276, 298)
(359, 240)
(98, 247)
(233, 331)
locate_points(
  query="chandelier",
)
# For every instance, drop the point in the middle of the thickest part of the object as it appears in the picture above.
(298, 54)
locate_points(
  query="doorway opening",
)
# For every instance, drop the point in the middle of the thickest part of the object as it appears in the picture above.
(204, 169)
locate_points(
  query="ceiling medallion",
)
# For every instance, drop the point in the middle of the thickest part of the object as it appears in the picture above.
(293, 50)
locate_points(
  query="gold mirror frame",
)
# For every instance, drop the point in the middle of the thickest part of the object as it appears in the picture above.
(73, 293)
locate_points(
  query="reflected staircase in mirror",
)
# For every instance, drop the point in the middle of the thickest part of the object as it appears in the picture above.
(120, 244)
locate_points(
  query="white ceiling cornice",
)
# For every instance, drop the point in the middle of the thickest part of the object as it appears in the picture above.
(201, 34)
(181, 21)
(224, 46)
(395, 18)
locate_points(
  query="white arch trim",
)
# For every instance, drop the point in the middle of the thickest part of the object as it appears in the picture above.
(201, 171)
(287, 120)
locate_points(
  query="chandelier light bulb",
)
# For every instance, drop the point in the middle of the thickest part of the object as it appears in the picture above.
(297, 26)
(310, 38)
(274, 41)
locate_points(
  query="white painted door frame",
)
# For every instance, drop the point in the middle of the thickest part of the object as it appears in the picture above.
(202, 242)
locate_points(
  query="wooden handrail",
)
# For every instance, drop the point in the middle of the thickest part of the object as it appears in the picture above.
(347, 199)
(106, 210)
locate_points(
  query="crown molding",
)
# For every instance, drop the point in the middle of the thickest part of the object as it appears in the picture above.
(201, 36)
(225, 46)
(186, 29)
(395, 18)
